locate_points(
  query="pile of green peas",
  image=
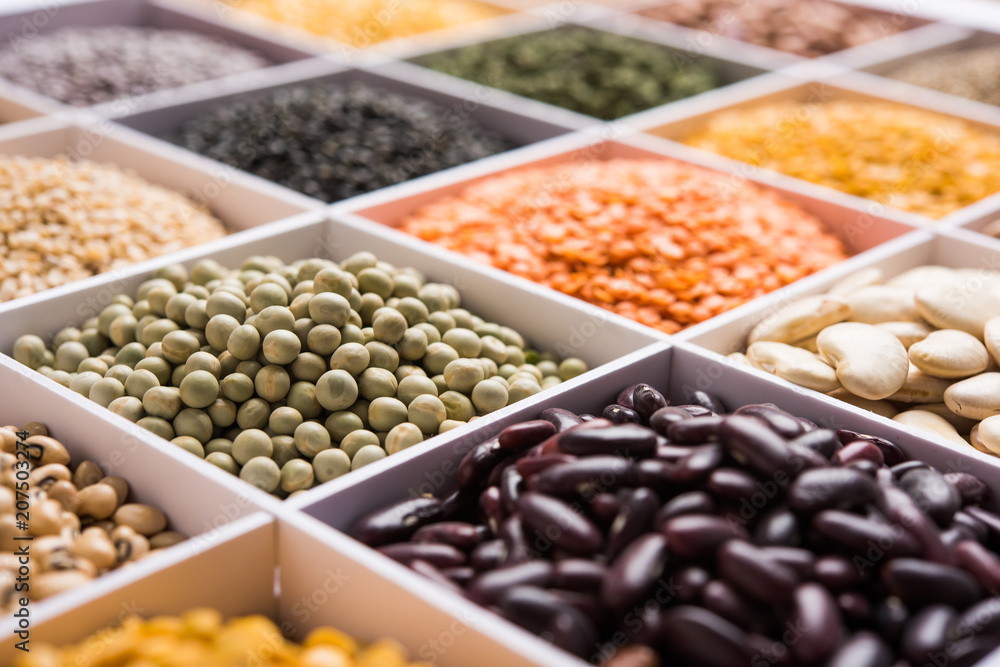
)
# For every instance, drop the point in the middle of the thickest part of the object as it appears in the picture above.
(291, 375)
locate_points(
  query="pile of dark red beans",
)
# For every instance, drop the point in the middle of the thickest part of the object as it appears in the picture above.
(686, 535)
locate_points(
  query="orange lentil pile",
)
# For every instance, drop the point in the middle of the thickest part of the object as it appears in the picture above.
(664, 243)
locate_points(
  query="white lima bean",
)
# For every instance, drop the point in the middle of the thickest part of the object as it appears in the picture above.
(920, 388)
(930, 423)
(870, 363)
(977, 397)
(965, 303)
(793, 364)
(800, 320)
(881, 303)
(985, 435)
(950, 353)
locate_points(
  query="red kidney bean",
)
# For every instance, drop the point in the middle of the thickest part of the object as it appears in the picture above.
(786, 425)
(905, 467)
(529, 466)
(634, 519)
(980, 561)
(891, 617)
(854, 606)
(802, 458)
(696, 410)
(590, 475)
(919, 582)
(657, 473)
(460, 575)
(778, 527)
(800, 560)
(695, 431)
(646, 400)
(926, 633)
(630, 440)
(732, 483)
(438, 555)
(668, 452)
(970, 524)
(691, 502)
(970, 651)
(704, 638)
(972, 489)
(864, 649)
(491, 509)
(579, 574)
(932, 493)
(560, 418)
(556, 522)
(751, 441)
(661, 420)
(498, 470)
(988, 519)
(891, 452)
(956, 534)
(824, 442)
(626, 395)
(982, 619)
(542, 612)
(706, 400)
(480, 461)
(808, 424)
(900, 509)
(837, 572)
(751, 570)
(859, 450)
(867, 467)
(434, 574)
(830, 488)
(487, 587)
(699, 535)
(587, 603)
(697, 465)
(526, 435)
(397, 522)
(572, 631)
(619, 414)
(512, 534)
(604, 507)
(635, 571)
(866, 537)
(721, 598)
(488, 555)
(690, 582)
(510, 485)
(815, 613)
(458, 534)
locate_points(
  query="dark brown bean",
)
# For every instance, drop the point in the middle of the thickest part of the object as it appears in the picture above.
(801, 457)
(526, 434)
(619, 414)
(822, 441)
(397, 522)
(573, 632)
(905, 467)
(587, 476)
(815, 614)
(778, 527)
(513, 535)
(867, 537)
(859, 450)
(732, 483)
(458, 534)
(752, 571)
(864, 649)
(579, 574)
(695, 431)
(830, 488)
(891, 452)
(460, 575)
(625, 396)
(982, 618)
(529, 466)
(956, 534)
(901, 510)
(657, 473)
(510, 485)
(697, 465)
(661, 420)
(668, 452)
(690, 582)
(488, 555)
(699, 535)
(971, 488)
(586, 603)
(932, 493)
(480, 461)
(926, 633)
(487, 588)
(491, 509)
(691, 502)
(919, 582)
(721, 598)
(604, 507)
(891, 617)
(989, 519)
(556, 522)
(438, 555)
(635, 571)
(800, 560)
(980, 561)
(629, 440)
(544, 613)
(854, 606)
(498, 470)
(646, 400)
(434, 574)
(784, 424)
(704, 638)
(697, 410)
(970, 651)
(970, 524)
(837, 572)
(560, 418)
(751, 442)
(634, 519)
(706, 400)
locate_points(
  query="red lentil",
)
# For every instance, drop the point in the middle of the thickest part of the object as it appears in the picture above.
(664, 243)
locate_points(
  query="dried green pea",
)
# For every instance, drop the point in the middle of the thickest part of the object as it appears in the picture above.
(385, 412)
(268, 294)
(251, 443)
(237, 387)
(302, 397)
(413, 386)
(340, 423)
(323, 339)
(224, 461)
(219, 445)
(190, 444)
(311, 438)
(571, 368)
(367, 455)
(427, 411)
(204, 361)
(159, 367)
(244, 342)
(199, 389)
(70, 355)
(402, 436)
(157, 426)
(93, 365)
(457, 406)
(222, 412)
(308, 366)
(163, 402)
(377, 382)
(281, 347)
(463, 375)
(297, 475)
(351, 333)
(330, 464)
(356, 440)
(284, 420)
(128, 407)
(438, 356)
(155, 331)
(272, 383)
(194, 423)
(106, 390)
(262, 472)
(382, 356)
(249, 367)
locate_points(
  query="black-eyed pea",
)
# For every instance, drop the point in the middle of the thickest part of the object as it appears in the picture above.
(144, 519)
(44, 450)
(793, 364)
(8, 531)
(119, 485)
(870, 363)
(35, 428)
(65, 493)
(47, 584)
(87, 473)
(802, 319)
(883, 407)
(950, 353)
(930, 423)
(8, 439)
(165, 539)
(96, 546)
(45, 476)
(46, 518)
(977, 397)
(908, 333)
(129, 545)
(882, 303)
(7, 500)
(920, 388)
(97, 501)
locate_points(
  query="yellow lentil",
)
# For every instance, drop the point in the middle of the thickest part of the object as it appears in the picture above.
(908, 158)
